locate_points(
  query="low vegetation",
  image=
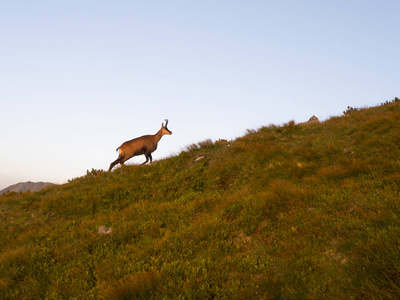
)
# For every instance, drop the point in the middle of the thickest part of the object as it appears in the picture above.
(284, 212)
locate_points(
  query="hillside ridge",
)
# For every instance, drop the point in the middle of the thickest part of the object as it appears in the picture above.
(283, 212)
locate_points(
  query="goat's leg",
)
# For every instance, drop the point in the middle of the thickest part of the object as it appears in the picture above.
(119, 160)
(147, 158)
(113, 164)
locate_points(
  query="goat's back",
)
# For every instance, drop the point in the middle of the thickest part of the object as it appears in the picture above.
(139, 145)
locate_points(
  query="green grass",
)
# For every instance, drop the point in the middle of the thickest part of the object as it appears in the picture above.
(284, 212)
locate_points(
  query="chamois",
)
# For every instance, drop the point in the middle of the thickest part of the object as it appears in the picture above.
(142, 145)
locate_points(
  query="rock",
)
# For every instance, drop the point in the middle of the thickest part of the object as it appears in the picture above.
(312, 120)
(104, 230)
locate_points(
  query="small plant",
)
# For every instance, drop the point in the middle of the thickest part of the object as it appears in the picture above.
(350, 110)
(206, 143)
(94, 173)
(395, 100)
(192, 147)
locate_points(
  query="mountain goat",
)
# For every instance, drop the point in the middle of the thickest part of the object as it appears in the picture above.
(146, 145)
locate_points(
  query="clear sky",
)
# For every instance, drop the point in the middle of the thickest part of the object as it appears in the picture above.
(78, 78)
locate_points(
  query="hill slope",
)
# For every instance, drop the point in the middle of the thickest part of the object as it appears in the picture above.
(283, 212)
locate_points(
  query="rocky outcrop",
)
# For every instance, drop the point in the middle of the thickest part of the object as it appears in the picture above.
(312, 120)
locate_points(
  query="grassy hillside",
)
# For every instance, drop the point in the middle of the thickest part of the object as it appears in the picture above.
(285, 212)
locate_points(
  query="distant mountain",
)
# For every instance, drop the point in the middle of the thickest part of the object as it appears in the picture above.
(26, 186)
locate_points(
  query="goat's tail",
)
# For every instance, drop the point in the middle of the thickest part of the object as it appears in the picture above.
(117, 149)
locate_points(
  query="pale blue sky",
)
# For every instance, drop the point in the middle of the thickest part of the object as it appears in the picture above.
(78, 78)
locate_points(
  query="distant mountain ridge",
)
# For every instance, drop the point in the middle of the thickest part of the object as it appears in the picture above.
(26, 186)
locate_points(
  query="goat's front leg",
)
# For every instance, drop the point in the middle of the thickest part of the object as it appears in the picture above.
(147, 159)
(118, 160)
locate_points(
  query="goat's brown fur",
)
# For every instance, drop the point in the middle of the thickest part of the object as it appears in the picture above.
(142, 145)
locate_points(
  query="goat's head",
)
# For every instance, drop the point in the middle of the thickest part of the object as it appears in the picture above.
(164, 128)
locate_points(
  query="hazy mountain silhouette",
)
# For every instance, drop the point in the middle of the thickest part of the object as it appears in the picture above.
(26, 186)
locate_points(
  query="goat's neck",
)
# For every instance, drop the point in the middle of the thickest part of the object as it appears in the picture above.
(158, 136)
